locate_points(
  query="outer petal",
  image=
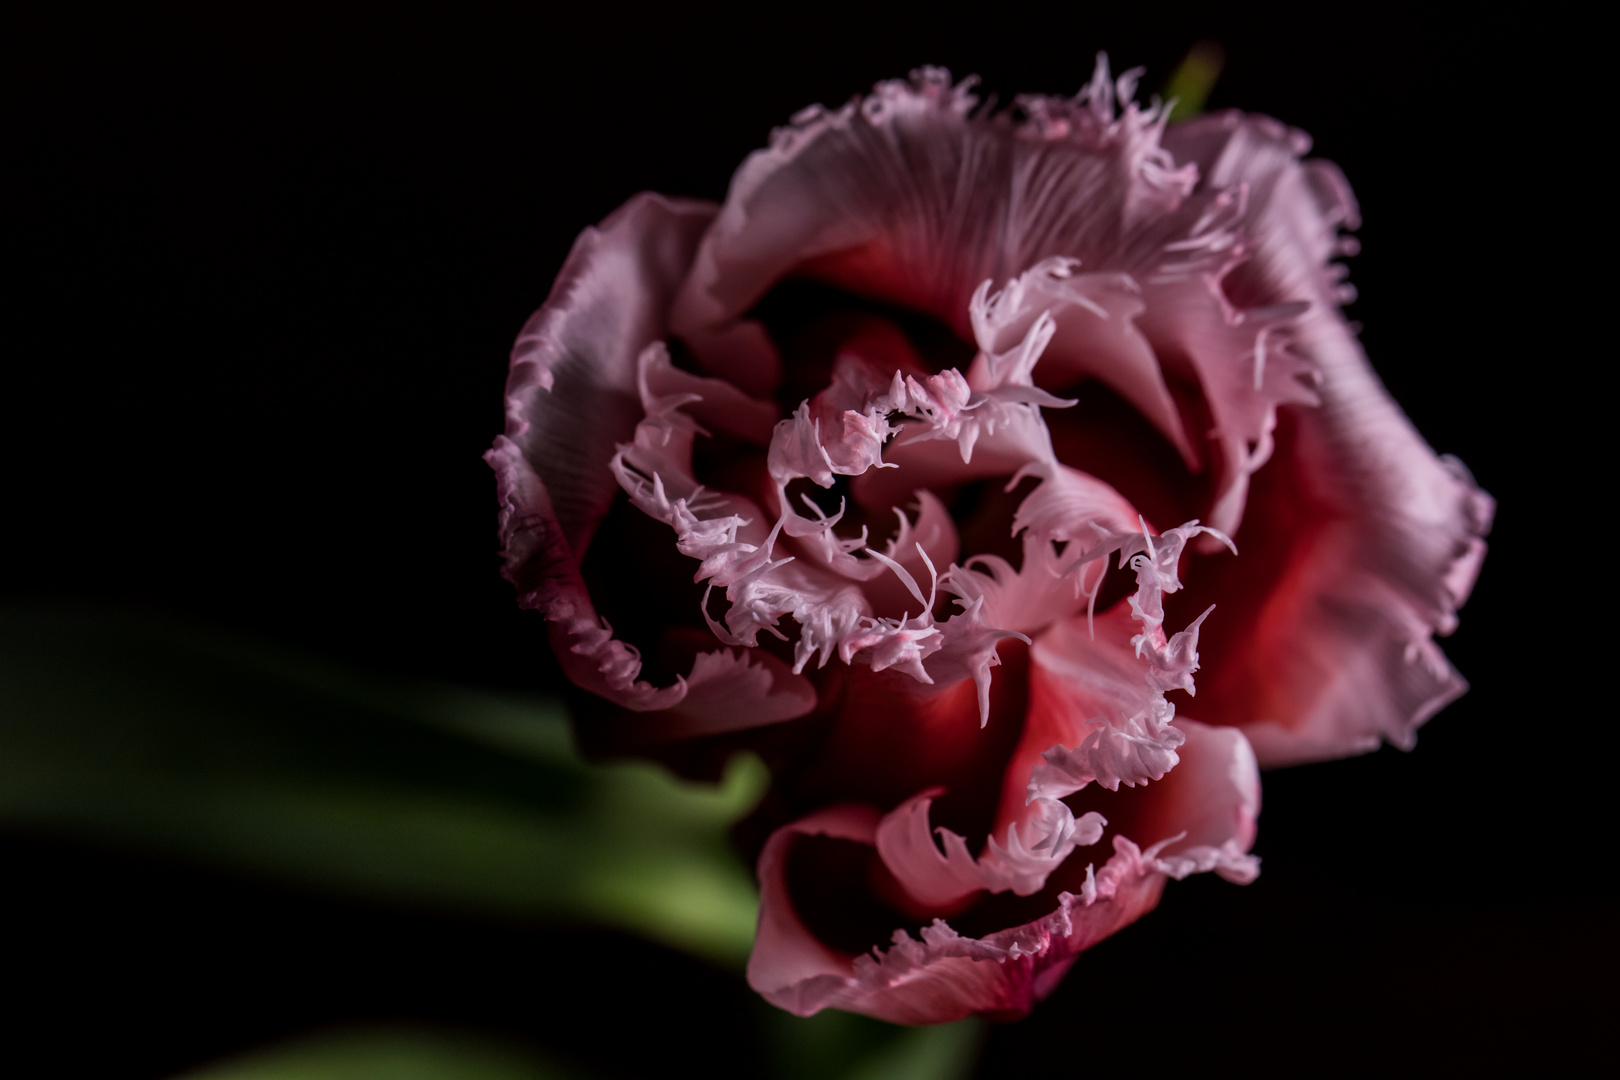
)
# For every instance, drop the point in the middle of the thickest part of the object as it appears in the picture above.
(573, 395)
(1358, 543)
(789, 966)
(945, 976)
(906, 196)
(1199, 817)
(910, 196)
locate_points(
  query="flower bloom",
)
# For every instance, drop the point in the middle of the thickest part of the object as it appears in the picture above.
(923, 466)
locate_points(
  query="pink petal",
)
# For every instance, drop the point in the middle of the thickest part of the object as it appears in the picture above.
(1098, 711)
(1093, 696)
(1206, 807)
(734, 689)
(938, 463)
(788, 965)
(1359, 543)
(1070, 505)
(1084, 216)
(713, 403)
(1199, 817)
(583, 381)
(571, 395)
(1196, 817)
(1095, 336)
(920, 203)
(935, 882)
(944, 976)
(904, 197)
(933, 878)
(741, 353)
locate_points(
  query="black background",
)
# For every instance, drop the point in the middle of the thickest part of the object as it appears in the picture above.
(265, 268)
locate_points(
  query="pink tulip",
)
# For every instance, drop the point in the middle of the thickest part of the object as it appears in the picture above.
(1084, 419)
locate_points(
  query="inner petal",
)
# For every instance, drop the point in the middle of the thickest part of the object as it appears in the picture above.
(1104, 435)
(892, 737)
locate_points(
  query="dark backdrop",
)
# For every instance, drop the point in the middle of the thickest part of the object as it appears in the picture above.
(265, 268)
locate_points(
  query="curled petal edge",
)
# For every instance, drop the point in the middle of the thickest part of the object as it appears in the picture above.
(940, 975)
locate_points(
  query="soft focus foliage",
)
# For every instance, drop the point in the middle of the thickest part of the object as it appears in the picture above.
(385, 1054)
(129, 730)
(132, 730)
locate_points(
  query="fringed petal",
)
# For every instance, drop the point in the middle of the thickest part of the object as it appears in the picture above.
(587, 372)
(1246, 368)
(1098, 711)
(571, 394)
(730, 690)
(1031, 852)
(1363, 546)
(1070, 505)
(967, 650)
(788, 965)
(1289, 213)
(712, 404)
(908, 195)
(932, 878)
(1191, 272)
(996, 439)
(1025, 600)
(1204, 812)
(539, 561)
(724, 692)
(1068, 524)
(912, 197)
(1360, 543)
(1199, 818)
(1094, 335)
(944, 976)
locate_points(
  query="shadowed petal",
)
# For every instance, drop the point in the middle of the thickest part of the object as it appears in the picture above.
(1198, 818)
(1126, 245)
(907, 196)
(1359, 543)
(944, 976)
(583, 384)
(931, 877)
(788, 965)
(571, 397)
(733, 689)
(572, 394)
(1094, 336)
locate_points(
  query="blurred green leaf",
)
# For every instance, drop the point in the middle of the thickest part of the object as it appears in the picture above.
(383, 1054)
(849, 1047)
(133, 730)
(1193, 79)
(946, 1052)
